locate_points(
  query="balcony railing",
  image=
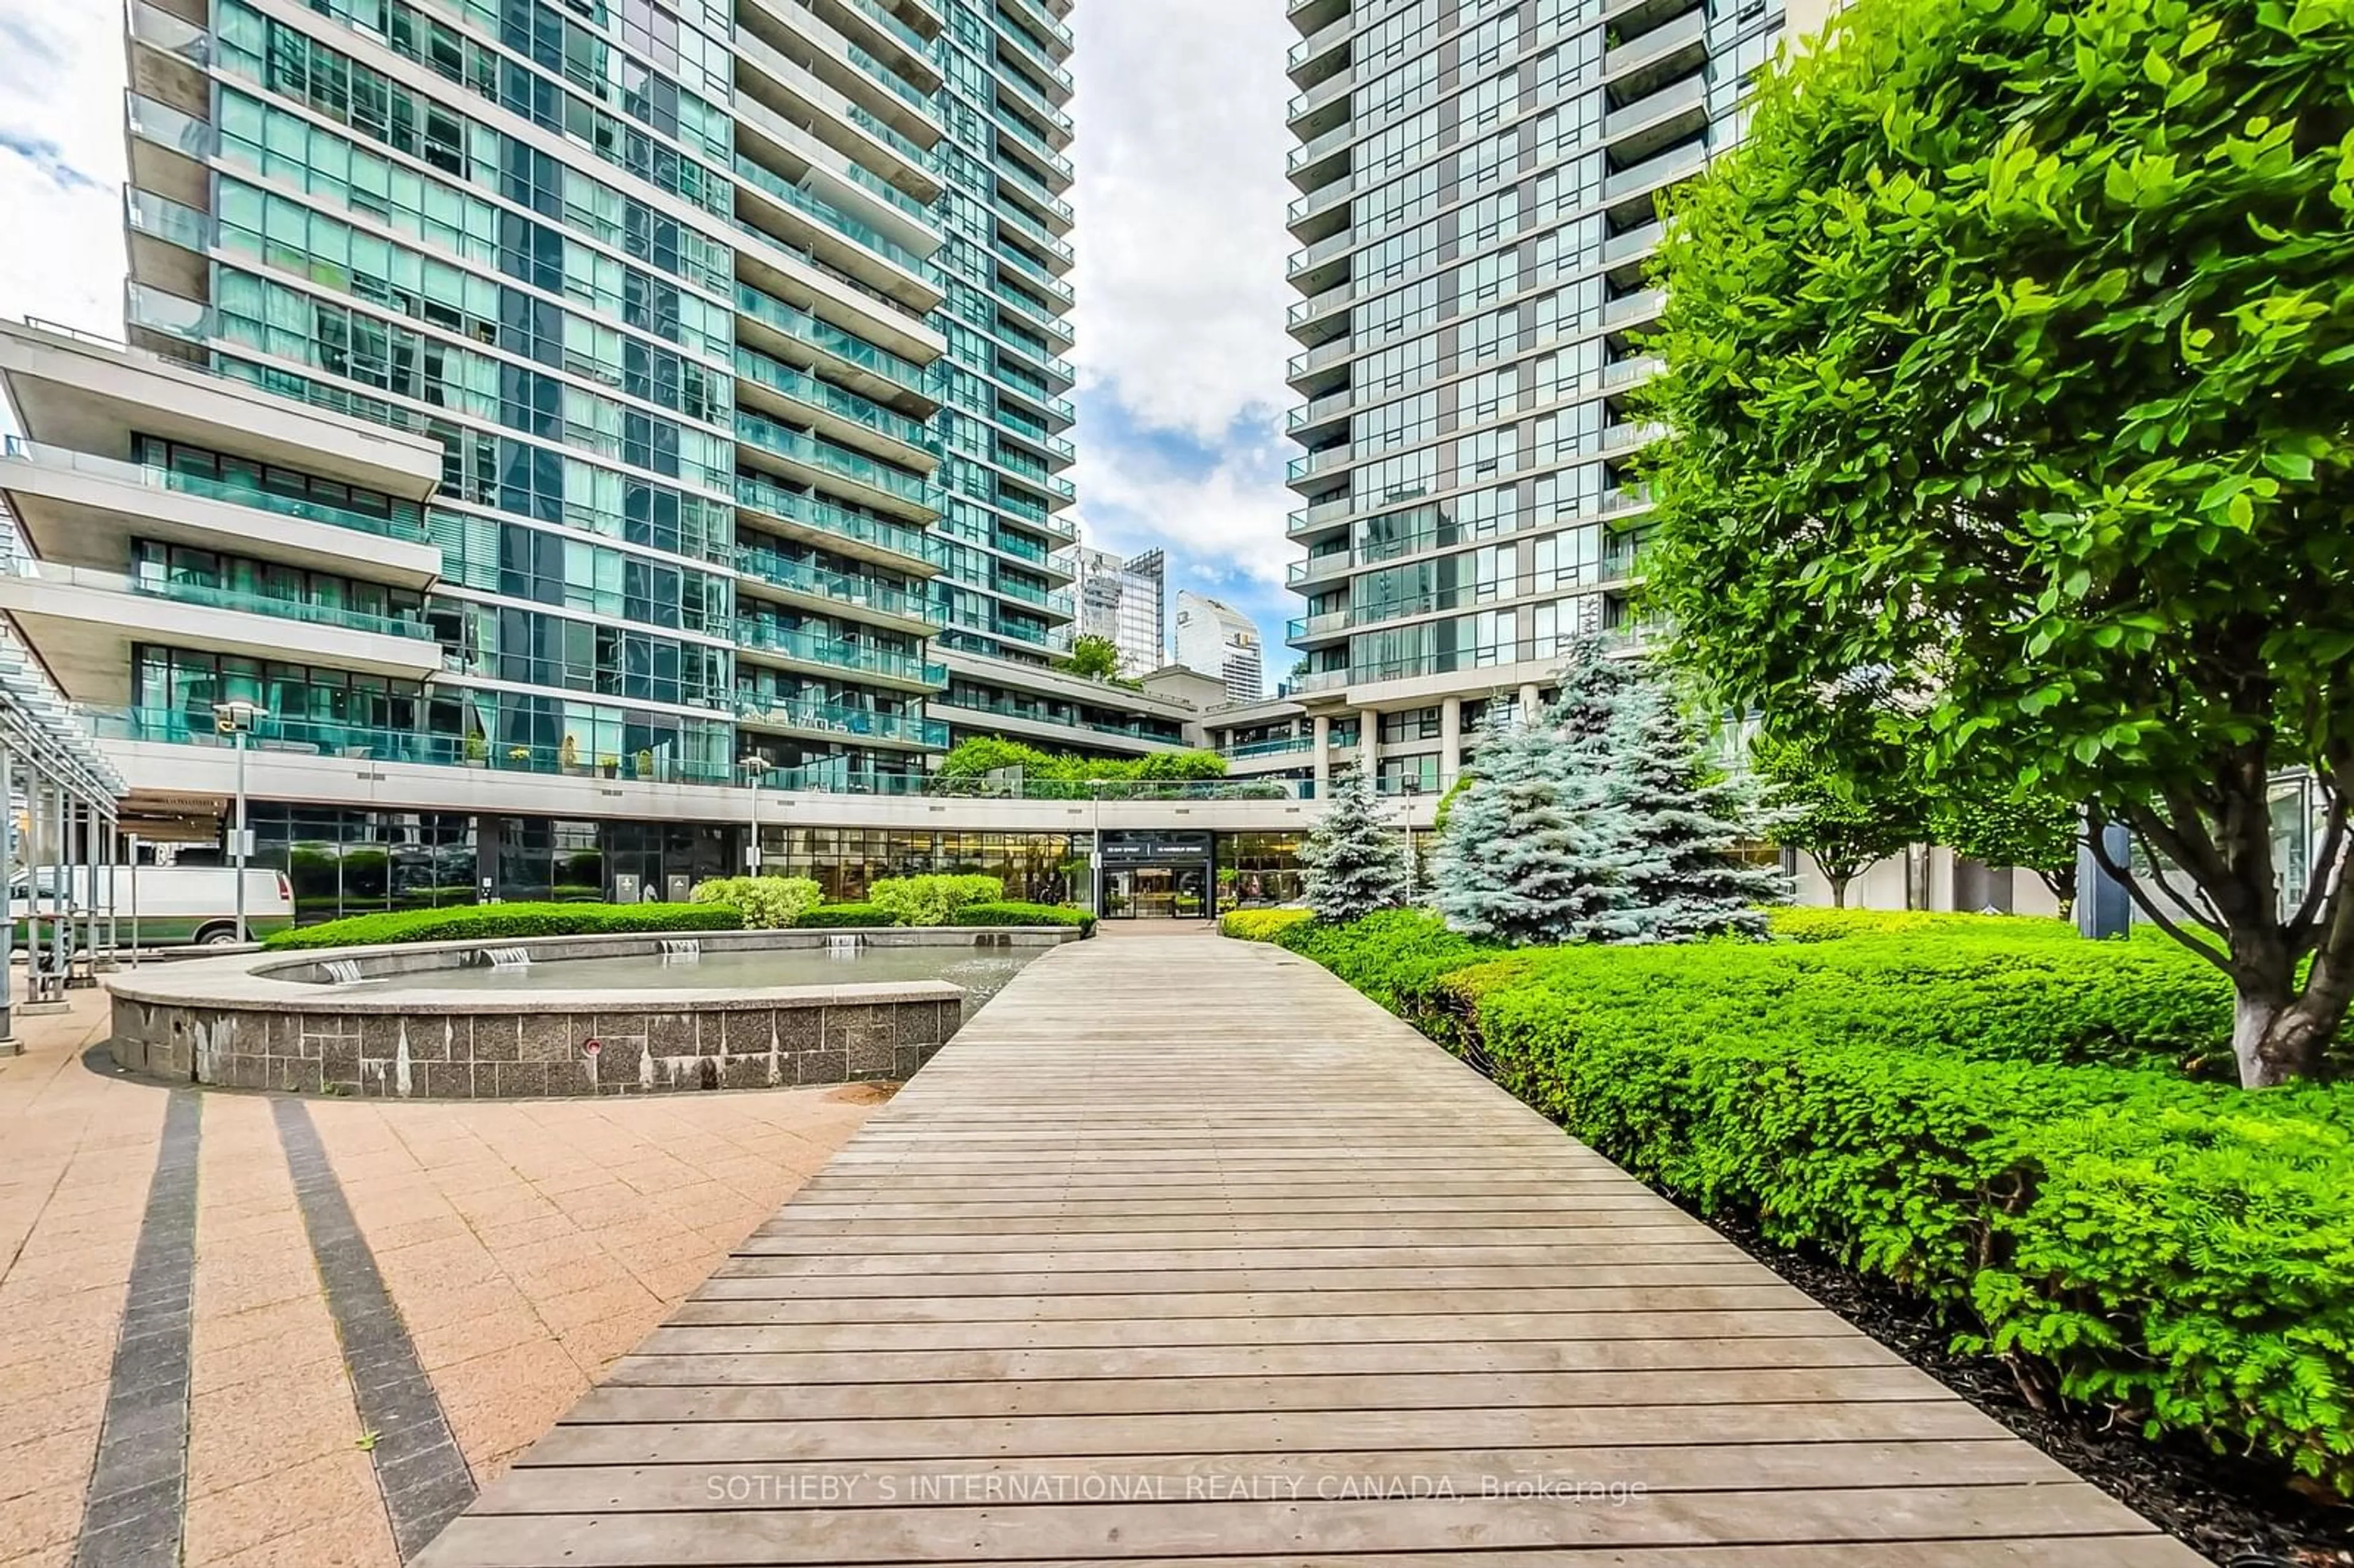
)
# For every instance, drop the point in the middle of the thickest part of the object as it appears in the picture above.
(232, 493)
(831, 216)
(1278, 748)
(1690, 28)
(210, 596)
(844, 719)
(807, 389)
(1670, 165)
(835, 587)
(1637, 306)
(879, 533)
(771, 437)
(828, 338)
(857, 657)
(330, 738)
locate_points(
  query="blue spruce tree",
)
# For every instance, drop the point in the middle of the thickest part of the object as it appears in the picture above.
(1354, 865)
(1684, 822)
(1530, 854)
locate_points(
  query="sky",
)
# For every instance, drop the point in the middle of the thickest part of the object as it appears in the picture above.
(1180, 284)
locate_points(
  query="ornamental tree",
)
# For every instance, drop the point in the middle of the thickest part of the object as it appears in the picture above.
(1847, 820)
(1354, 865)
(2028, 827)
(1092, 658)
(2012, 360)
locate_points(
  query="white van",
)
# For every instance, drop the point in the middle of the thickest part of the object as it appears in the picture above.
(174, 904)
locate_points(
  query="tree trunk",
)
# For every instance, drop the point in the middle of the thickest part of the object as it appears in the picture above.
(1838, 891)
(2277, 1036)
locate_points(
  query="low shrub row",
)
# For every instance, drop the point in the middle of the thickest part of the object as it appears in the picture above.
(1796, 925)
(1995, 1122)
(461, 922)
(842, 917)
(1017, 913)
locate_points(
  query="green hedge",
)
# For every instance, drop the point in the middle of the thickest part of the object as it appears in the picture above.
(1796, 925)
(2180, 1251)
(1259, 924)
(933, 900)
(1016, 913)
(842, 917)
(461, 922)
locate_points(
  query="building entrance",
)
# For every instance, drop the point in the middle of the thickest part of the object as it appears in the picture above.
(1156, 875)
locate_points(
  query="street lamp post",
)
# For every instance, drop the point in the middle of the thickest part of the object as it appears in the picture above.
(235, 718)
(1411, 788)
(754, 765)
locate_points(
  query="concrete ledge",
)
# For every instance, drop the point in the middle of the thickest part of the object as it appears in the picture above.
(265, 1020)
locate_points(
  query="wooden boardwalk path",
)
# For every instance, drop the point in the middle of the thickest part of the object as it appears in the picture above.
(1184, 1251)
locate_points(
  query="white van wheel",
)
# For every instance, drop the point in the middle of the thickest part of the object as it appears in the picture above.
(218, 937)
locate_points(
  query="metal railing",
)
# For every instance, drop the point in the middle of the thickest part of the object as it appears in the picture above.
(154, 476)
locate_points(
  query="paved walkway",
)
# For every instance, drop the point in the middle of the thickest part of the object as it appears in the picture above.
(1184, 1251)
(201, 1364)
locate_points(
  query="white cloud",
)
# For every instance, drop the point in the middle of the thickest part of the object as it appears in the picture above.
(62, 162)
(1222, 523)
(1180, 239)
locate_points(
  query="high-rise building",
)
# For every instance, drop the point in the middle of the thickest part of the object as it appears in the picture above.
(1216, 638)
(1123, 602)
(1479, 195)
(739, 320)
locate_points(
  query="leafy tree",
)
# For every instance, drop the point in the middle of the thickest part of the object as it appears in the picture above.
(1530, 854)
(1093, 658)
(1355, 865)
(1684, 824)
(2011, 357)
(2033, 829)
(1813, 802)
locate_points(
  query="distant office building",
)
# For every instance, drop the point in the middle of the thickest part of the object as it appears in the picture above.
(1219, 639)
(1124, 602)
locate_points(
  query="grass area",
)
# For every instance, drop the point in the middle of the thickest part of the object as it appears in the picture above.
(2038, 1133)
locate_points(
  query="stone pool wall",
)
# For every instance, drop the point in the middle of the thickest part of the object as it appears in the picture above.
(479, 1055)
(262, 1022)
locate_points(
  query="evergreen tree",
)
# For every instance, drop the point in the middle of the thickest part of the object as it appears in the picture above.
(1530, 852)
(1684, 822)
(1355, 865)
(1589, 688)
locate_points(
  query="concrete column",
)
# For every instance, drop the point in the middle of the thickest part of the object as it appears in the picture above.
(1369, 741)
(1529, 705)
(1323, 727)
(1450, 741)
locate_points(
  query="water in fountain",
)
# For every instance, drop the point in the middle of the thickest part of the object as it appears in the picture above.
(509, 957)
(342, 971)
(681, 950)
(842, 947)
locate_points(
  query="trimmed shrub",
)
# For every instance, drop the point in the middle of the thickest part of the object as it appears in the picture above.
(461, 922)
(844, 916)
(1014, 914)
(1259, 924)
(1836, 924)
(768, 902)
(2180, 1252)
(933, 900)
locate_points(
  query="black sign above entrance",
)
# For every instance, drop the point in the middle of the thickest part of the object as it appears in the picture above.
(1155, 847)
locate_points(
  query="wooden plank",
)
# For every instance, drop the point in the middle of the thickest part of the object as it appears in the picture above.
(1181, 1254)
(743, 1538)
(598, 1433)
(1307, 1477)
(702, 1329)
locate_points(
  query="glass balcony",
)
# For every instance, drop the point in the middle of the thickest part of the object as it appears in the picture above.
(167, 127)
(210, 596)
(1043, 149)
(332, 738)
(805, 388)
(155, 477)
(856, 657)
(1657, 169)
(1054, 288)
(1278, 748)
(834, 588)
(161, 217)
(841, 718)
(800, 448)
(877, 533)
(775, 185)
(1013, 174)
(1639, 305)
(828, 338)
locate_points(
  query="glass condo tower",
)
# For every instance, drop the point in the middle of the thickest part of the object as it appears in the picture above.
(737, 322)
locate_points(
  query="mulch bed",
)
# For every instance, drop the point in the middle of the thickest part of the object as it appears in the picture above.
(2235, 1512)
